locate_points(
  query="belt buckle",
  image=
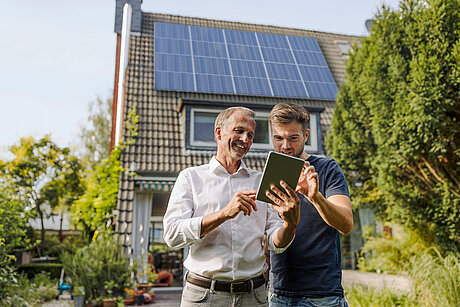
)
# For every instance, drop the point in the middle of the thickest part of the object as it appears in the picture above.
(237, 283)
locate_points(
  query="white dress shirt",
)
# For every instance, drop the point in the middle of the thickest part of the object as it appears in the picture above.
(233, 250)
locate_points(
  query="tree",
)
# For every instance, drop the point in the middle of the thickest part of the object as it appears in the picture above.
(43, 175)
(95, 209)
(95, 135)
(395, 127)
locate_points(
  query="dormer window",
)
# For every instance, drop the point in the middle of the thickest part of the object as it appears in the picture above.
(199, 134)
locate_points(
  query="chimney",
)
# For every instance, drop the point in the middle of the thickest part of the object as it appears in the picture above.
(135, 27)
(136, 21)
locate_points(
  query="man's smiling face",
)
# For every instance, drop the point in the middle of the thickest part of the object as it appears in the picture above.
(236, 137)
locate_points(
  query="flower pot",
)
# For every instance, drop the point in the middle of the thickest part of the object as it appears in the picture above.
(130, 301)
(108, 302)
(140, 299)
(79, 300)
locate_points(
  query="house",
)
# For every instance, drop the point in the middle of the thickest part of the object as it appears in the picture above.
(179, 73)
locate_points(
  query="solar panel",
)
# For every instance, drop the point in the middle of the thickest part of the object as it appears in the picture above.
(210, 60)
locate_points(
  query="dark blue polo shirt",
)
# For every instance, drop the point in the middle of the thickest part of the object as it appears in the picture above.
(311, 266)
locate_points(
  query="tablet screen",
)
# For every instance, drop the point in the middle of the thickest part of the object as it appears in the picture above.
(279, 167)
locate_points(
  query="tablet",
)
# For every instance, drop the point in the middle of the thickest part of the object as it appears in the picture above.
(279, 167)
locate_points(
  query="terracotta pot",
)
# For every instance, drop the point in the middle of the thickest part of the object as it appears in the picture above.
(130, 301)
(108, 302)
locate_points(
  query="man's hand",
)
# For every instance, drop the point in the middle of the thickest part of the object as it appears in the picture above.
(243, 201)
(287, 204)
(308, 182)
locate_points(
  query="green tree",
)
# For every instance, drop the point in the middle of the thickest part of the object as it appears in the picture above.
(395, 128)
(95, 209)
(45, 176)
(95, 134)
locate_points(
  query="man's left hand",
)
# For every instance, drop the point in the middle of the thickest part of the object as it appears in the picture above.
(287, 204)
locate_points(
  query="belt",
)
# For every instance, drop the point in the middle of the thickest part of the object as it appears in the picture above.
(234, 287)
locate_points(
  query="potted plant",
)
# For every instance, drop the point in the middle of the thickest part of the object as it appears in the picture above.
(119, 302)
(129, 297)
(139, 297)
(78, 295)
(109, 301)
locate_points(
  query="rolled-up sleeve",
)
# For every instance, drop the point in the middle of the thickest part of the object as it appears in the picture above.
(274, 222)
(181, 229)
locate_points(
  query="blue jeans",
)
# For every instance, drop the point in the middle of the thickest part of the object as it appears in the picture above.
(285, 301)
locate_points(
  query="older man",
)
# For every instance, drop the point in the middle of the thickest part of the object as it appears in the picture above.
(212, 209)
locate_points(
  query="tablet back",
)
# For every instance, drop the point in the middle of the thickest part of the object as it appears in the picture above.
(279, 167)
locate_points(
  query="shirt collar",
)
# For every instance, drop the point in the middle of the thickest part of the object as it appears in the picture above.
(215, 167)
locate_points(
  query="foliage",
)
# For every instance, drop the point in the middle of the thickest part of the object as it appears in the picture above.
(13, 236)
(395, 127)
(31, 292)
(14, 218)
(436, 279)
(360, 296)
(96, 136)
(99, 265)
(390, 254)
(95, 208)
(43, 175)
(33, 269)
(55, 247)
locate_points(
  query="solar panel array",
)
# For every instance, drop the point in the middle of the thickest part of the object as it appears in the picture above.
(210, 60)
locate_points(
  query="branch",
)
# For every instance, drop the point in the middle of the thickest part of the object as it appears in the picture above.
(438, 177)
(414, 172)
(432, 170)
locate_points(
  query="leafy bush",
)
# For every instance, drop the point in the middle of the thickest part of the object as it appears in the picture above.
(33, 269)
(31, 292)
(436, 279)
(359, 296)
(97, 264)
(390, 255)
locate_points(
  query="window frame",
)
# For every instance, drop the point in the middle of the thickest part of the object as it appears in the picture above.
(192, 144)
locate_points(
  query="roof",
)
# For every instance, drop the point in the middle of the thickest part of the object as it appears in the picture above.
(159, 151)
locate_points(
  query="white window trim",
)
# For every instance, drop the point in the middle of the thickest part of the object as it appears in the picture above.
(313, 135)
(192, 127)
(259, 146)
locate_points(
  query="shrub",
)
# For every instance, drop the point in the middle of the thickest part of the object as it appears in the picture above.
(97, 264)
(436, 279)
(33, 269)
(31, 292)
(359, 296)
(390, 254)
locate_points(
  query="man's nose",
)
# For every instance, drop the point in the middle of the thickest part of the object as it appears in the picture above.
(285, 144)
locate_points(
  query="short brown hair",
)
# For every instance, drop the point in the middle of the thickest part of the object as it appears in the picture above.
(284, 113)
(221, 119)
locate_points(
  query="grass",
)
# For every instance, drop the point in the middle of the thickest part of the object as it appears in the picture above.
(436, 282)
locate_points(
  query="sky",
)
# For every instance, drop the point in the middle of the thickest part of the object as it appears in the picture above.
(57, 56)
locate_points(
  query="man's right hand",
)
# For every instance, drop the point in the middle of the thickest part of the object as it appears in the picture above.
(243, 201)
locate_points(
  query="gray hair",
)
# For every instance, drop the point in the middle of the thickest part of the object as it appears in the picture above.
(221, 119)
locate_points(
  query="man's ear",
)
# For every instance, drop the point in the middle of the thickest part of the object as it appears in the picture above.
(217, 133)
(306, 135)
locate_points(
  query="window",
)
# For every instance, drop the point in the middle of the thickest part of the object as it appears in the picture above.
(202, 127)
(344, 48)
(201, 132)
